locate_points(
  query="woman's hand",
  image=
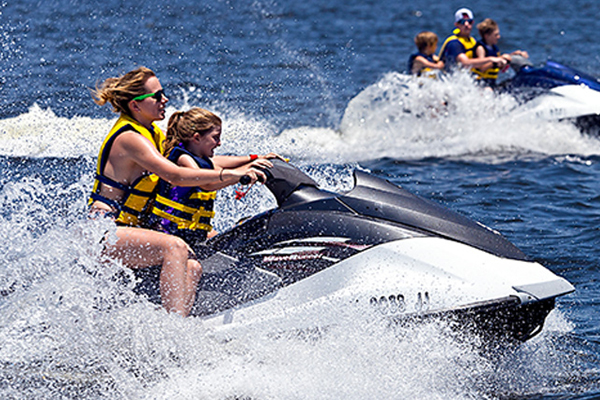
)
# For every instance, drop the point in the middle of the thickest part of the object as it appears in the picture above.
(272, 155)
(251, 170)
(260, 163)
(256, 175)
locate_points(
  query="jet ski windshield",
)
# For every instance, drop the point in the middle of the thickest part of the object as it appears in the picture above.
(284, 179)
(381, 200)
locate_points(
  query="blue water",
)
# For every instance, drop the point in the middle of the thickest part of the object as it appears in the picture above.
(322, 83)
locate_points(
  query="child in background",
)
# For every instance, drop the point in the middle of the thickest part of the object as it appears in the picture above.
(425, 62)
(487, 46)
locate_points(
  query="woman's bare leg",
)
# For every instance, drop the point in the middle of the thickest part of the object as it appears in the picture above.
(179, 276)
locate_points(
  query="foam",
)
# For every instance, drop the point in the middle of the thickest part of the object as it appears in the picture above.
(398, 117)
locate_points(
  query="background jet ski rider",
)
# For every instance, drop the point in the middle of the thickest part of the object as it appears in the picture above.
(124, 185)
(192, 138)
(459, 48)
(486, 47)
(425, 62)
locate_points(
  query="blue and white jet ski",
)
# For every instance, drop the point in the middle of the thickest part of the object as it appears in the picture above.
(556, 92)
(376, 246)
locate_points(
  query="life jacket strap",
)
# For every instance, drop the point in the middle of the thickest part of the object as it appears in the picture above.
(180, 207)
(182, 223)
(204, 196)
(126, 188)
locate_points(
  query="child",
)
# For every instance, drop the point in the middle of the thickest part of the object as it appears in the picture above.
(487, 47)
(192, 137)
(424, 62)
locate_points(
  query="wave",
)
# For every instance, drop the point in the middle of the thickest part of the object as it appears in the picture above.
(71, 326)
(407, 118)
(398, 117)
(40, 133)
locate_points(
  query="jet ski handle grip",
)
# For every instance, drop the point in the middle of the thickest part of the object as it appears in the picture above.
(244, 180)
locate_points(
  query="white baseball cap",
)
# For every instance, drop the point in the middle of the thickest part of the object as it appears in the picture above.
(463, 13)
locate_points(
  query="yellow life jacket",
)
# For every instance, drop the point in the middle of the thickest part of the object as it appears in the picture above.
(138, 196)
(492, 72)
(468, 44)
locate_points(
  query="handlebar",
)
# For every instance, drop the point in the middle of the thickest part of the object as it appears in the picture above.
(245, 180)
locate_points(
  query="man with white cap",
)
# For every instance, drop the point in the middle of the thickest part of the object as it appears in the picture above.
(459, 48)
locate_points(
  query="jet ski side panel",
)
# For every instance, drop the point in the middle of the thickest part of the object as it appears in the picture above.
(403, 279)
(290, 243)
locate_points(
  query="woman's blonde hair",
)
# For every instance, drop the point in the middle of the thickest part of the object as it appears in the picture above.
(121, 90)
(184, 124)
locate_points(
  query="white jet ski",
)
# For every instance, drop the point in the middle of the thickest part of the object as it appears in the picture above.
(377, 246)
(556, 92)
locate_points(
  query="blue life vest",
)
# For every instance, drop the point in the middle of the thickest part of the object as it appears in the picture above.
(411, 62)
(185, 211)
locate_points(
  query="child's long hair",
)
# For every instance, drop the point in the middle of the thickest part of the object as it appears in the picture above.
(121, 90)
(183, 126)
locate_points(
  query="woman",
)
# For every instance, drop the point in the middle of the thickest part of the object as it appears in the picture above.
(125, 182)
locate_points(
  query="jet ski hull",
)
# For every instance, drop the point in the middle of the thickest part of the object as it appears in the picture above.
(413, 279)
(556, 92)
(504, 321)
(376, 249)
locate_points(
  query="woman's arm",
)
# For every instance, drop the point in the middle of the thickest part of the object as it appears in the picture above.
(479, 62)
(139, 150)
(227, 177)
(237, 161)
(479, 55)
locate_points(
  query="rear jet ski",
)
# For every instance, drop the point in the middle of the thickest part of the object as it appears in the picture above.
(376, 246)
(556, 92)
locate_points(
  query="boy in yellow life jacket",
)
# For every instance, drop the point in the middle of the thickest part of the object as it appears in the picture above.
(459, 48)
(486, 47)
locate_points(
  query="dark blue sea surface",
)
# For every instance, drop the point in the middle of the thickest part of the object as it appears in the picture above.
(322, 82)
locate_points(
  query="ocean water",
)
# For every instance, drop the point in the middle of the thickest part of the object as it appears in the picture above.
(322, 83)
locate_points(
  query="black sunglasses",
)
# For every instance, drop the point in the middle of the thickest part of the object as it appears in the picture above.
(156, 96)
(464, 21)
